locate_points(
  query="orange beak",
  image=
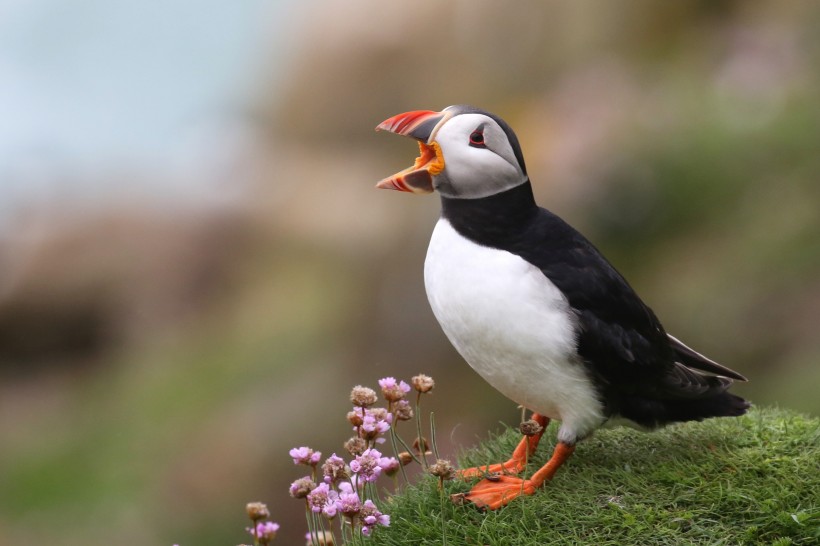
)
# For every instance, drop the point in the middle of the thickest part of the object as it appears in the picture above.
(421, 125)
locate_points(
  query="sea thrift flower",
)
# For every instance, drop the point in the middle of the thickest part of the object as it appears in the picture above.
(402, 410)
(370, 516)
(349, 504)
(375, 423)
(530, 427)
(393, 391)
(265, 531)
(257, 511)
(301, 487)
(368, 465)
(334, 469)
(390, 465)
(305, 455)
(443, 470)
(355, 418)
(355, 446)
(362, 397)
(381, 414)
(423, 383)
(323, 499)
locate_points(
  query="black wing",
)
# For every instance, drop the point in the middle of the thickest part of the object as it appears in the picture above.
(620, 339)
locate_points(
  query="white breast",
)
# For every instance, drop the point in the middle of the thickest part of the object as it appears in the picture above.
(513, 326)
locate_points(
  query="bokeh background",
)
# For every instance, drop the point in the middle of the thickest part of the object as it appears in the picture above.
(195, 266)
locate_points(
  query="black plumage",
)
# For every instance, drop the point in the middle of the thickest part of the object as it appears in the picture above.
(639, 371)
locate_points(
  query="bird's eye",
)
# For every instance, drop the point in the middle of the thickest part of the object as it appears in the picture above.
(477, 139)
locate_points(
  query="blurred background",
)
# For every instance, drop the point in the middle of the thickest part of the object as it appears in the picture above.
(195, 266)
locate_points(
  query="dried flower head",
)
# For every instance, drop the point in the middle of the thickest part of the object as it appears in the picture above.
(402, 410)
(423, 383)
(380, 414)
(301, 487)
(530, 427)
(257, 511)
(393, 390)
(334, 469)
(443, 470)
(356, 446)
(362, 397)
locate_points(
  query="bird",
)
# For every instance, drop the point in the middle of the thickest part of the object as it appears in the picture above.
(536, 309)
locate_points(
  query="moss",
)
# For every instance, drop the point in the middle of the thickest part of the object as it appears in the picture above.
(750, 480)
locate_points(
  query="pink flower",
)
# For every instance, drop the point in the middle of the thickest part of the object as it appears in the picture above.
(305, 455)
(392, 390)
(375, 423)
(389, 465)
(368, 465)
(323, 499)
(301, 487)
(349, 504)
(265, 531)
(346, 487)
(371, 516)
(334, 469)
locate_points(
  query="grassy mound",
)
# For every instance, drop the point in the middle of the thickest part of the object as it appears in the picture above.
(749, 480)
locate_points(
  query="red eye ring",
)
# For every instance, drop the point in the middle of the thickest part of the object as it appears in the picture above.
(477, 139)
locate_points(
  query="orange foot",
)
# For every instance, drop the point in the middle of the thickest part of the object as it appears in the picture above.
(517, 462)
(493, 493)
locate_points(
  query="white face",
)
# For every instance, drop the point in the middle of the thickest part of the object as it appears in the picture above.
(478, 158)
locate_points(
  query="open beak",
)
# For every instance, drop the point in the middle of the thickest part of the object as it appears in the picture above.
(421, 125)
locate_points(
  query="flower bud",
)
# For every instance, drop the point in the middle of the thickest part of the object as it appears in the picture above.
(421, 446)
(405, 458)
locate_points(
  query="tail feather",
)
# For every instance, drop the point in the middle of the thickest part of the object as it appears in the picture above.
(657, 413)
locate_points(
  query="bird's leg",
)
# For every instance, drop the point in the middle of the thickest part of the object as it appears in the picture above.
(494, 493)
(518, 461)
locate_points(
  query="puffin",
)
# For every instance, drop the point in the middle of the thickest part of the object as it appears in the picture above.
(535, 309)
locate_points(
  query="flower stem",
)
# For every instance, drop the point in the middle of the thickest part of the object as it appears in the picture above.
(441, 514)
(433, 435)
(422, 447)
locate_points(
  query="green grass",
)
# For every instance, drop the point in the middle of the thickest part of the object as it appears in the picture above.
(751, 480)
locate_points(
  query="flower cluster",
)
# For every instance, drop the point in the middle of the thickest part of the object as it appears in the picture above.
(263, 532)
(343, 494)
